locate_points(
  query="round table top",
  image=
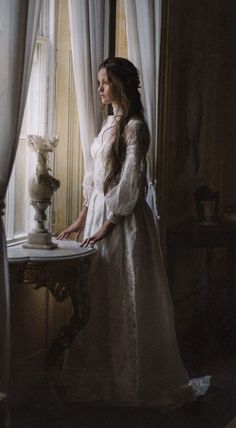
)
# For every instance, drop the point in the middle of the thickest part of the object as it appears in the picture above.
(66, 250)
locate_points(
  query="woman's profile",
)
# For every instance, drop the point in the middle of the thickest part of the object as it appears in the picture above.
(128, 351)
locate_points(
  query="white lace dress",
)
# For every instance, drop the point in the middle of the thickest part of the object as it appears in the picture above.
(127, 353)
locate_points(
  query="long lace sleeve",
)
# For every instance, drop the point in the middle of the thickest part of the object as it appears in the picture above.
(121, 199)
(88, 184)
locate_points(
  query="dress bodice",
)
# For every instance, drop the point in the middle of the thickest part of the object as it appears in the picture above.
(137, 141)
(100, 150)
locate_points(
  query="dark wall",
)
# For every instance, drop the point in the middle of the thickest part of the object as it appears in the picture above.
(202, 150)
(203, 99)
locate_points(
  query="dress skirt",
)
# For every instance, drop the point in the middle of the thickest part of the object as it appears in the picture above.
(127, 353)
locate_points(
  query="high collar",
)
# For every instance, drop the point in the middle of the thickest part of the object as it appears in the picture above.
(117, 110)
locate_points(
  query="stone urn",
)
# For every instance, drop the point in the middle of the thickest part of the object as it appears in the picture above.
(41, 186)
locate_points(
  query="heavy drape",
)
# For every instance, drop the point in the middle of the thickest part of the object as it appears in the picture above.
(18, 30)
(143, 28)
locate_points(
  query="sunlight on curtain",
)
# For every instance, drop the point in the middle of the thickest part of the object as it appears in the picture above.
(89, 26)
(143, 27)
(121, 48)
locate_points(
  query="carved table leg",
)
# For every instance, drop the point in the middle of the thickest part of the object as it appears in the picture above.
(16, 273)
(81, 301)
(63, 280)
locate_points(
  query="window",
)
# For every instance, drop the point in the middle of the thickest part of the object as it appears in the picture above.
(38, 119)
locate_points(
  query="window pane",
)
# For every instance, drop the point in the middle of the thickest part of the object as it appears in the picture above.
(21, 193)
(19, 213)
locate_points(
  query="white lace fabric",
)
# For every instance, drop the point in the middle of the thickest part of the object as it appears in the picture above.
(128, 352)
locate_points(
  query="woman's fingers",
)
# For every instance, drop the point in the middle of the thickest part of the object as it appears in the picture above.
(60, 236)
(63, 235)
(86, 242)
(93, 239)
(89, 241)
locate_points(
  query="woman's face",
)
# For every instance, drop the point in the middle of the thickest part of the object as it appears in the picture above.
(104, 87)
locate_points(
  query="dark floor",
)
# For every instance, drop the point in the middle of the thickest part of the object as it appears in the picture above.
(42, 408)
(36, 404)
(215, 411)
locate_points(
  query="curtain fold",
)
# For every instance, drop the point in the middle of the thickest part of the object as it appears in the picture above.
(89, 27)
(143, 28)
(18, 31)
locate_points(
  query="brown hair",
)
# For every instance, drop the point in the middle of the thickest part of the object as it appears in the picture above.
(124, 82)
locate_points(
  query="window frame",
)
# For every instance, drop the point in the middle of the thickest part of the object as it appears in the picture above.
(45, 49)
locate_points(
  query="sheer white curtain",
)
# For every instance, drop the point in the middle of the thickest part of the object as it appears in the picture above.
(89, 27)
(143, 27)
(18, 30)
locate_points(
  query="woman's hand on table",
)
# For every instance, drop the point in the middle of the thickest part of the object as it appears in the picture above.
(77, 227)
(106, 228)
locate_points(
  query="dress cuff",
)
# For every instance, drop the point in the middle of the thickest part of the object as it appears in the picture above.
(112, 217)
(87, 193)
(86, 204)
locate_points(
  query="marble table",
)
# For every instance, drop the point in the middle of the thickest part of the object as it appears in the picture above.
(63, 271)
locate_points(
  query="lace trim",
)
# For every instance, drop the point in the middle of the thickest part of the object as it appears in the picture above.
(200, 385)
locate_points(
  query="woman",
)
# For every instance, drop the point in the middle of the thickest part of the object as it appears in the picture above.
(128, 351)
